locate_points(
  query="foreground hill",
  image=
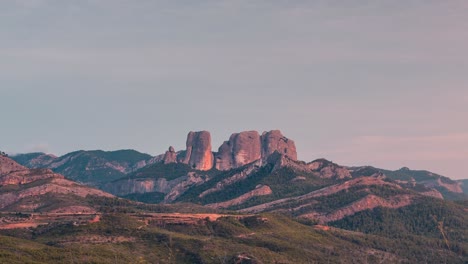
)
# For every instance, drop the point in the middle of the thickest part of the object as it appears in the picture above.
(124, 237)
(89, 167)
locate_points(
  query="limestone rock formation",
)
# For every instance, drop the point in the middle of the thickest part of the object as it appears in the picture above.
(246, 147)
(241, 149)
(275, 141)
(170, 156)
(198, 153)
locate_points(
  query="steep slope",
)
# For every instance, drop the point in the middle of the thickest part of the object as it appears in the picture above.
(41, 190)
(88, 167)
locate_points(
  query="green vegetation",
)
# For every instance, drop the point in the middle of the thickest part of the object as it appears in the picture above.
(406, 174)
(24, 159)
(159, 170)
(121, 156)
(268, 238)
(282, 182)
(430, 221)
(150, 197)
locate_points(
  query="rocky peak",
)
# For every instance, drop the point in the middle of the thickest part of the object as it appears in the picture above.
(198, 153)
(248, 146)
(275, 141)
(170, 156)
(241, 149)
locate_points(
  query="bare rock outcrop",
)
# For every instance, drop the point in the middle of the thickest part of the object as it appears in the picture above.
(170, 156)
(241, 149)
(198, 153)
(279, 161)
(248, 146)
(274, 141)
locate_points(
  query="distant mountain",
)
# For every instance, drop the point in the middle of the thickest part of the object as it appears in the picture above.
(89, 167)
(449, 188)
(464, 185)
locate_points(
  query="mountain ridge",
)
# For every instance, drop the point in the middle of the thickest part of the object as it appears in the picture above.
(253, 197)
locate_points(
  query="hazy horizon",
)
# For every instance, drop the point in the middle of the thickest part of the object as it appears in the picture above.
(359, 83)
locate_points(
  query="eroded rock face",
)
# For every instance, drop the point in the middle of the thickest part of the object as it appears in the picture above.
(275, 141)
(246, 147)
(170, 156)
(198, 154)
(241, 149)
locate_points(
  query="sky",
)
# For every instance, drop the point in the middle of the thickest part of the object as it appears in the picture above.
(382, 83)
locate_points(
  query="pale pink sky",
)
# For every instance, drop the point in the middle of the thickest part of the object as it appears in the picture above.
(380, 83)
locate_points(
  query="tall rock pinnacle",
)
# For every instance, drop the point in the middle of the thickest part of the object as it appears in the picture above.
(170, 156)
(247, 147)
(275, 141)
(198, 153)
(242, 148)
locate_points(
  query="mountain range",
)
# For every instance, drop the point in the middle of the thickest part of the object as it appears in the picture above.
(250, 175)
